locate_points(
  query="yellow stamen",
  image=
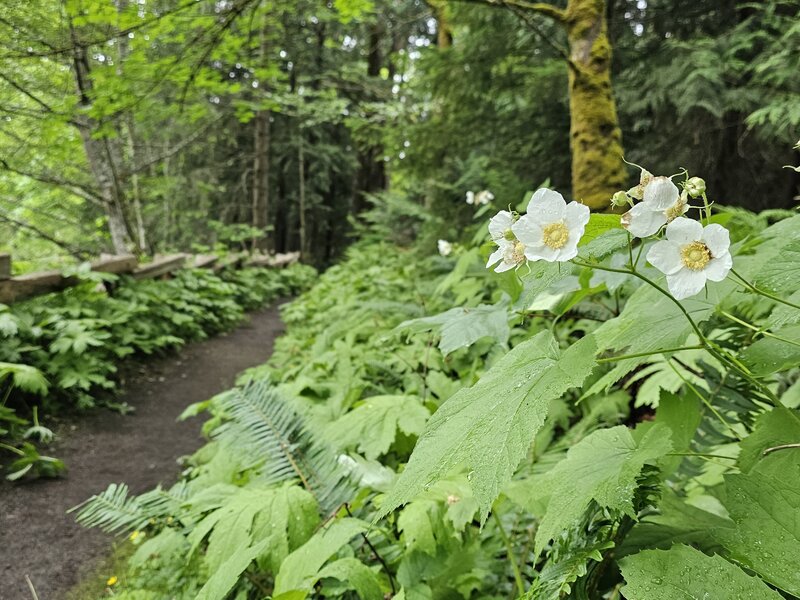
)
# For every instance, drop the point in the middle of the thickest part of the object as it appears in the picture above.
(516, 254)
(695, 256)
(555, 235)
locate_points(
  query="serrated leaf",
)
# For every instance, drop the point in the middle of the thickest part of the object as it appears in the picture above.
(356, 575)
(781, 273)
(771, 355)
(461, 327)
(226, 576)
(651, 322)
(300, 570)
(766, 536)
(603, 468)
(487, 428)
(372, 426)
(683, 573)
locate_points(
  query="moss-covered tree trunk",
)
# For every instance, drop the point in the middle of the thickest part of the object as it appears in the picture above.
(595, 137)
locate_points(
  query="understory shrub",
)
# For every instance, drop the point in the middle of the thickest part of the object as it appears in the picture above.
(567, 428)
(61, 351)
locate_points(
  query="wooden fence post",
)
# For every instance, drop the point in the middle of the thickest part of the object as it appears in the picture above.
(5, 266)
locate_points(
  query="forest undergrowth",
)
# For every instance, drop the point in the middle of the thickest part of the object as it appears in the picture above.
(61, 353)
(571, 427)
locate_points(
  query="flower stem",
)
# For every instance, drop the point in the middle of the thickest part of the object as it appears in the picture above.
(753, 288)
(781, 447)
(712, 348)
(707, 403)
(510, 553)
(640, 354)
(758, 329)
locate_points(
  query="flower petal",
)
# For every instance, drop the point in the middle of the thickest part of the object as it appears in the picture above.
(660, 193)
(495, 256)
(719, 267)
(666, 257)
(717, 238)
(686, 283)
(546, 206)
(576, 216)
(504, 266)
(499, 224)
(541, 252)
(642, 222)
(683, 231)
(528, 231)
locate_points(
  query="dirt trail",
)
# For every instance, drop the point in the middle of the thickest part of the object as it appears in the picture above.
(38, 539)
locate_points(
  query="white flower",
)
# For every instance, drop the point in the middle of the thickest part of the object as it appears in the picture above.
(661, 204)
(483, 197)
(552, 228)
(692, 254)
(445, 247)
(637, 192)
(510, 251)
(470, 197)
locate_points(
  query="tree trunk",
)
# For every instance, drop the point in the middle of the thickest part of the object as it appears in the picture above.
(371, 176)
(444, 35)
(595, 136)
(301, 174)
(261, 147)
(99, 154)
(261, 178)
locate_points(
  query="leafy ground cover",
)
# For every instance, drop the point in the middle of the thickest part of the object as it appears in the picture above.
(62, 351)
(430, 429)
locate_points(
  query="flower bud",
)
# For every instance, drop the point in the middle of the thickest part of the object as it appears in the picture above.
(695, 187)
(620, 199)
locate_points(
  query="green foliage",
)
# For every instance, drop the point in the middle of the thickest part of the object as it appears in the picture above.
(669, 472)
(66, 347)
(683, 572)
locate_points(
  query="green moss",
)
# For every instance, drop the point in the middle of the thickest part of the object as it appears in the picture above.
(596, 139)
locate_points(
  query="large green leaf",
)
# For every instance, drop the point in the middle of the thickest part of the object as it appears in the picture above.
(226, 576)
(487, 429)
(356, 575)
(372, 426)
(651, 322)
(781, 273)
(461, 327)
(603, 467)
(683, 573)
(771, 355)
(300, 570)
(766, 537)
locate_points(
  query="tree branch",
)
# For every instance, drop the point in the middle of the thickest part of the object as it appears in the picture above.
(78, 189)
(76, 252)
(542, 8)
(174, 150)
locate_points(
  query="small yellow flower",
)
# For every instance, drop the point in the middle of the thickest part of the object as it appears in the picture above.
(112, 580)
(133, 536)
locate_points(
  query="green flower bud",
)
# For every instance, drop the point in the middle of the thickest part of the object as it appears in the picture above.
(695, 187)
(620, 199)
(509, 235)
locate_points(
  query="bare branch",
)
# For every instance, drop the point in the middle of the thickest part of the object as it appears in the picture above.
(174, 150)
(78, 189)
(542, 8)
(73, 251)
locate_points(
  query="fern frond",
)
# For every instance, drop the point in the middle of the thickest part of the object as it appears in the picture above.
(272, 437)
(114, 511)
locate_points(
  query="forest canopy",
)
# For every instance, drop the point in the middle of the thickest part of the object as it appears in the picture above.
(159, 125)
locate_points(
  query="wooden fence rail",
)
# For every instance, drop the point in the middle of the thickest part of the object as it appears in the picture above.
(15, 289)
